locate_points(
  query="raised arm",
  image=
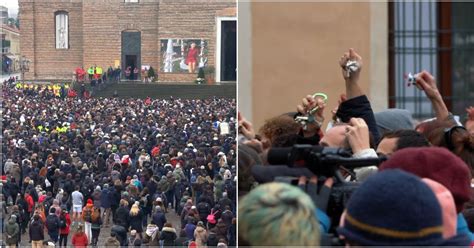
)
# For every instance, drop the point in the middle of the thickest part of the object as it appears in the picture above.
(352, 87)
(357, 104)
(427, 83)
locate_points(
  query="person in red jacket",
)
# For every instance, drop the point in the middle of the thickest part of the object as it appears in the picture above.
(79, 239)
(30, 202)
(64, 230)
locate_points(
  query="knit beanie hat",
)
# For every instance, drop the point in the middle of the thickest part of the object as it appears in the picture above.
(448, 208)
(393, 208)
(89, 201)
(438, 164)
(393, 119)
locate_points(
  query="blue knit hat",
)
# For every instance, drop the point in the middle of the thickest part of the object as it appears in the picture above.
(394, 208)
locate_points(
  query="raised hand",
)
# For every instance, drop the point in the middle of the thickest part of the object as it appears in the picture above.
(308, 103)
(358, 135)
(351, 55)
(427, 83)
(245, 127)
(342, 98)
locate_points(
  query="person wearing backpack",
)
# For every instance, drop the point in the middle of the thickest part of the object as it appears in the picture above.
(52, 224)
(204, 209)
(87, 218)
(211, 218)
(64, 224)
(96, 223)
(227, 216)
(212, 240)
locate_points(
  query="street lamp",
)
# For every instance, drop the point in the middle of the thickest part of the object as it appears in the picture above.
(24, 67)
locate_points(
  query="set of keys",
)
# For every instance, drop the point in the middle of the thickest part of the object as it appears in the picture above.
(351, 66)
(309, 118)
(411, 78)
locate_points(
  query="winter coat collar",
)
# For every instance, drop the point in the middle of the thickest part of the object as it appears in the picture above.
(169, 229)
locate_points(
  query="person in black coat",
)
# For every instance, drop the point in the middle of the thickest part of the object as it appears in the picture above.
(122, 216)
(136, 219)
(168, 235)
(114, 200)
(52, 224)
(13, 189)
(159, 218)
(36, 230)
(120, 233)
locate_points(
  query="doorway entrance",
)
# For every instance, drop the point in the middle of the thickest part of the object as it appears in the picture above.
(226, 63)
(131, 55)
(131, 62)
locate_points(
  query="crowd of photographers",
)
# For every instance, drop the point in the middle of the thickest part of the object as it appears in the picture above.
(402, 183)
(73, 166)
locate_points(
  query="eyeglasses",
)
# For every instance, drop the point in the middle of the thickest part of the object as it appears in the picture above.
(448, 132)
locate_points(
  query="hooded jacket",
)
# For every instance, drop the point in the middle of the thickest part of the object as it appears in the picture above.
(122, 217)
(120, 233)
(163, 185)
(159, 219)
(168, 235)
(12, 231)
(189, 229)
(105, 198)
(112, 242)
(80, 240)
(200, 236)
(36, 231)
(88, 207)
(221, 230)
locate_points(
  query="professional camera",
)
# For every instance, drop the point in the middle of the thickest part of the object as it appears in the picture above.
(325, 162)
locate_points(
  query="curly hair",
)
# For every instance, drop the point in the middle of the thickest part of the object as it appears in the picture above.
(282, 125)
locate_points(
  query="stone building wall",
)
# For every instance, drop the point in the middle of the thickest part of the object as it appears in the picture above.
(95, 29)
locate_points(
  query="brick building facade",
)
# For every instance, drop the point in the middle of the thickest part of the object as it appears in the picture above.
(97, 33)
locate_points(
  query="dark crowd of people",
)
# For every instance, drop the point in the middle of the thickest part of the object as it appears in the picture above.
(414, 190)
(73, 166)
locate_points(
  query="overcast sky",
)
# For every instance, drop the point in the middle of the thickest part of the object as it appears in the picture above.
(12, 6)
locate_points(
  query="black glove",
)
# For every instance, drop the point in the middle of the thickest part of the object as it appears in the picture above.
(321, 198)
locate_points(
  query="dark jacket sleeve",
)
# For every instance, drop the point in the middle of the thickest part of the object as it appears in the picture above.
(359, 107)
(30, 232)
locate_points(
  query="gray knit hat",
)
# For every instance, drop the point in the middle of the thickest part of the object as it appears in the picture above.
(393, 119)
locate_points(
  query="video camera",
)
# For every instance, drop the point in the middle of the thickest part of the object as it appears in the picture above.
(325, 162)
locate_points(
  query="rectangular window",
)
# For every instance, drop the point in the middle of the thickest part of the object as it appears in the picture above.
(413, 48)
(437, 37)
(462, 47)
(62, 31)
(131, 1)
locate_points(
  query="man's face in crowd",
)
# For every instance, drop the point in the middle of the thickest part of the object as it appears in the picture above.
(387, 146)
(334, 137)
